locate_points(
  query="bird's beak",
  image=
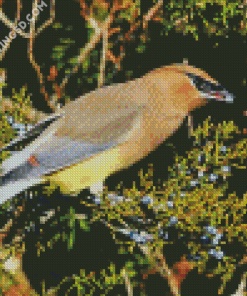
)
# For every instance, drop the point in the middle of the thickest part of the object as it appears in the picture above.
(210, 89)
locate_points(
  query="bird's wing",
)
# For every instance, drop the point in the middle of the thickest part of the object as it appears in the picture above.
(28, 136)
(92, 124)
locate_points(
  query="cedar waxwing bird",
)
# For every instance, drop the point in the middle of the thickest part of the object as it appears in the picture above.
(107, 130)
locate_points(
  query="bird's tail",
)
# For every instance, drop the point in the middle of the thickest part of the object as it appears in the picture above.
(11, 188)
(17, 180)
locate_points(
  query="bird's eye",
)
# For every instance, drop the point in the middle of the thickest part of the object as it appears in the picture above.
(204, 85)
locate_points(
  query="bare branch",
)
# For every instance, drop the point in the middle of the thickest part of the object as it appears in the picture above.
(151, 13)
(103, 58)
(51, 104)
(51, 19)
(85, 51)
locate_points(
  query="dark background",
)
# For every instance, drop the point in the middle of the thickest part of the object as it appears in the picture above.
(225, 62)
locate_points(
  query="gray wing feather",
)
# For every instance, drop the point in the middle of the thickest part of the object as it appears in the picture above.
(65, 154)
(83, 129)
(36, 130)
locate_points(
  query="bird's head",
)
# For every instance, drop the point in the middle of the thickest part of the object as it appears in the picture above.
(190, 86)
(208, 87)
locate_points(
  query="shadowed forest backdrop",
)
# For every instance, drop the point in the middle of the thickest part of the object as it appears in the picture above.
(163, 229)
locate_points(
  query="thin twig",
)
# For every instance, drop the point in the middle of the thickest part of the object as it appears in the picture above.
(103, 57)
(85, 51)
(10, 24)
(129, 288)
(51, 19)
(51, 104)
(151, 12)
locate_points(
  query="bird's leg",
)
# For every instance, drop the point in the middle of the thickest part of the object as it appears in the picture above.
(190, 125)
(97, 188)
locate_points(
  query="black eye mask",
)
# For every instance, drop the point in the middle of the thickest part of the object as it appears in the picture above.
(210, 90)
